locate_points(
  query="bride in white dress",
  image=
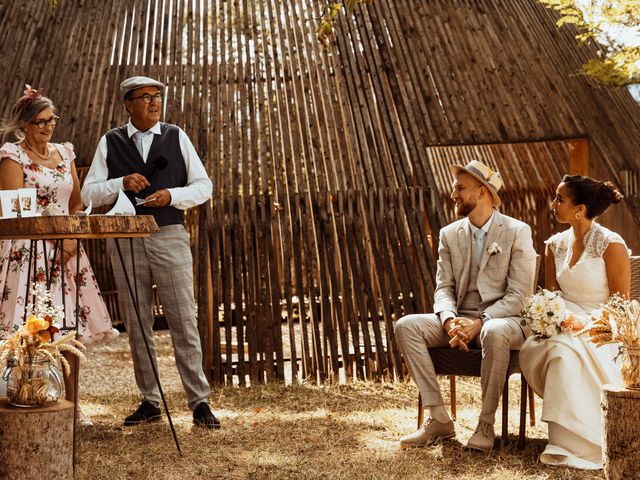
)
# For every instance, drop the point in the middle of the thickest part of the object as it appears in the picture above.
(587, 262)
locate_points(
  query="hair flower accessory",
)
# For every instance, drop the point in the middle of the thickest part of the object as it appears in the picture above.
(30, 95)
(494, 248)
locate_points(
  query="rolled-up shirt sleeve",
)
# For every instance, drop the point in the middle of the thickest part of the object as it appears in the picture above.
(199, 187)
(98, 188)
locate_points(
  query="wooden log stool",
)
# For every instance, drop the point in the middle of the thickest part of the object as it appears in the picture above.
(36, 442)
(620, 432)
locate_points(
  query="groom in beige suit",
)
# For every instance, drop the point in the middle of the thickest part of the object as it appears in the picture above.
(485, 272)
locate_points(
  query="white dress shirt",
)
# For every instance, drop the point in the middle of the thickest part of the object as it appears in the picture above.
(447, 314)
(99, 190)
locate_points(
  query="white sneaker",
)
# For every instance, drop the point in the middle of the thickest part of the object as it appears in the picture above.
(82, 421)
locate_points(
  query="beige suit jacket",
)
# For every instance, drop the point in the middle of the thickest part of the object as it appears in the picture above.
(505, 279)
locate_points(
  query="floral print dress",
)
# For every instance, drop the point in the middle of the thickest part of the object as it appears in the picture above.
(54, 186)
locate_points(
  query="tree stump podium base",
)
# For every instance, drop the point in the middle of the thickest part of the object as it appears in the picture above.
(36, 442)
(620, 432)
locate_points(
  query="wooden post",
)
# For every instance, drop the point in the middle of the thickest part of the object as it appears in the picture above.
(579, 156)
(36, 442)
(620, 432)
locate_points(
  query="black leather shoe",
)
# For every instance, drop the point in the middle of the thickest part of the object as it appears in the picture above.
(203, 417)
(145, 413)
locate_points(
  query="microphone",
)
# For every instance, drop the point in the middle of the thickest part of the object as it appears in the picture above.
(158, 163)
(150, 169)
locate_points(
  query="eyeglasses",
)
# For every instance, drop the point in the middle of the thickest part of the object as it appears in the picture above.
(43, 123)
(146, 98)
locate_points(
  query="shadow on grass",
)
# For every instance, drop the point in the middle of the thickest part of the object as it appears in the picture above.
(293, 449)
(338, 433)
(295, 398)
(287, 432)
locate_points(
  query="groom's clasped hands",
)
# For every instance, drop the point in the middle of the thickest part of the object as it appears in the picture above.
(462, 331)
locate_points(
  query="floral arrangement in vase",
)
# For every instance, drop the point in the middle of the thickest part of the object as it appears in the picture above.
(31, 354)
(618, 321)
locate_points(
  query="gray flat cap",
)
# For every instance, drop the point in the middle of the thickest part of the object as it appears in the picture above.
(138, 82)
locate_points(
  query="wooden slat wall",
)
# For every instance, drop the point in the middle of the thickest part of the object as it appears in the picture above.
(329, 167)
(402, 76)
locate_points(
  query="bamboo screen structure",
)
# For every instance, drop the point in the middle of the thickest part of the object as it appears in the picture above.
(328, 166)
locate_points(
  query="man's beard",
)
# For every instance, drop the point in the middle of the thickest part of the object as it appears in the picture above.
(464, 209)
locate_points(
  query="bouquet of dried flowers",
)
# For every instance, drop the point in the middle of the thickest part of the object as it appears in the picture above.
(618, 321)
(34, 343)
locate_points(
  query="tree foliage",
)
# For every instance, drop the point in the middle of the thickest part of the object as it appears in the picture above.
(606, 22)
(330, 12)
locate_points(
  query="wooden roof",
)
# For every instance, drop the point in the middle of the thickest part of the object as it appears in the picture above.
(250, 75)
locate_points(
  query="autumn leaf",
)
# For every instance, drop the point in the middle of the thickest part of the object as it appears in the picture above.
(618, 63)
(568, 19)
(329, 17)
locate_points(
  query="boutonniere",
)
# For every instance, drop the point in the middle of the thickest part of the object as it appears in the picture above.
(494, 248)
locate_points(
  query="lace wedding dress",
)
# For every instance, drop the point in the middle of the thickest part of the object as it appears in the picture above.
(566, 370)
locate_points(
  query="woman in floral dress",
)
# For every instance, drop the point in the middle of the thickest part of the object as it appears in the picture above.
(49, 168)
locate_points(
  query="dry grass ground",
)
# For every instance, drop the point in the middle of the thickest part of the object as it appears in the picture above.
(286, 432)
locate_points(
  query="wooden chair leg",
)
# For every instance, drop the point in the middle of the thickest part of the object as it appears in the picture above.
(71, 380)
(532, 408)
(452, 390)
(505, 410)
(523, 412)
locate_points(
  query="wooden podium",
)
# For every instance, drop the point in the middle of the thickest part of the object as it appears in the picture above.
(66, 227)
(77, 227)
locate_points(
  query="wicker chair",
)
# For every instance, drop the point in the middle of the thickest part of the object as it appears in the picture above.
(635, 277)
(453, 362)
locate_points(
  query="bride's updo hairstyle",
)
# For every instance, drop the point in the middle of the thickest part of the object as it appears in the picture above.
(593, 194)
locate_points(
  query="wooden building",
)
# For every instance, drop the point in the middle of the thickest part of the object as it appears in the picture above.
(330, 167)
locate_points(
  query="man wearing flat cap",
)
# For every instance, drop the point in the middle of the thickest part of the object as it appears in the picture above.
(485, 272)
(157, 162)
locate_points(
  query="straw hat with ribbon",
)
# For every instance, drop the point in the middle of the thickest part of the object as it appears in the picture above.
(486, 175)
